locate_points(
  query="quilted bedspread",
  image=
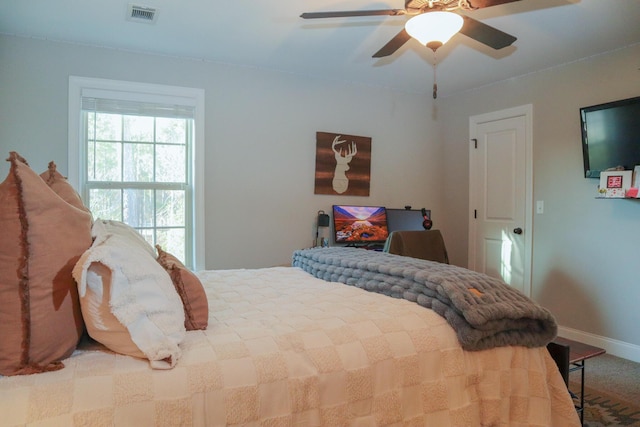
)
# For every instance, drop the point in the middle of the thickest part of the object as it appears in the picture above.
(484, 311)
(286, 349)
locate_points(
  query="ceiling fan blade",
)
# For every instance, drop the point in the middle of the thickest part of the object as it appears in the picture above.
(394, 44)
(349, 13)
(479, 4)
(486, 34)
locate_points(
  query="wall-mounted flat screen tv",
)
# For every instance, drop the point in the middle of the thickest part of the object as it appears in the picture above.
(610, 136)
(360, 224)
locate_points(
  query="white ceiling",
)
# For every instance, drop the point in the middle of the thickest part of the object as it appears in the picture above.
(269, 34)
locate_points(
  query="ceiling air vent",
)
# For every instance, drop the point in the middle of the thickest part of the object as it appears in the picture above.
(141, 14)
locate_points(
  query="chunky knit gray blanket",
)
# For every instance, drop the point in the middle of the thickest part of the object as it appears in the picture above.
(485, 312)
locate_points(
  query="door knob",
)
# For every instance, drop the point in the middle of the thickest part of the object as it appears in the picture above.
(517, 230)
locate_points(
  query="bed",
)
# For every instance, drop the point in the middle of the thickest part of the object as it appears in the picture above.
(284, 348)
(351, 338)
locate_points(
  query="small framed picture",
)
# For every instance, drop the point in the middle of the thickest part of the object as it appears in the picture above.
(615, 183)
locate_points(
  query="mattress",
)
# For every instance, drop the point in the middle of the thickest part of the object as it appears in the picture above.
(286, 349)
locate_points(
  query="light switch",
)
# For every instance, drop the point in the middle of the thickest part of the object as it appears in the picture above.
(540, 207)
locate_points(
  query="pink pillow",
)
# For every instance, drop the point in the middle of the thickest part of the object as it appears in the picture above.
(102, 325)
(189, 287)
(61, 187)
(42, 238)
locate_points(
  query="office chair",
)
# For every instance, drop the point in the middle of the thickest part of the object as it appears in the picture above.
(423, 244)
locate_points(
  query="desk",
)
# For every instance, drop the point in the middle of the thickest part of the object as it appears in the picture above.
(570, 356)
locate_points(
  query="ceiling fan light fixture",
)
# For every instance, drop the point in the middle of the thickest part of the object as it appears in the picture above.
(433, 29)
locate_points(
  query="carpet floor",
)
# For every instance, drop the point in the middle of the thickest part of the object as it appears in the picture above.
(602, 409)
(612, 392)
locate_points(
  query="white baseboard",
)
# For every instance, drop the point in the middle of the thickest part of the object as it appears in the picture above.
(612, 346)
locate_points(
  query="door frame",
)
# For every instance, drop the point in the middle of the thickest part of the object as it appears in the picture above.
(474, 121)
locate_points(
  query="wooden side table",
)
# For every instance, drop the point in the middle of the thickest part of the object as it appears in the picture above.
(570, 356)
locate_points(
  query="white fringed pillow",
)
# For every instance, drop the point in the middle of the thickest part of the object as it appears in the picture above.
(128, 300)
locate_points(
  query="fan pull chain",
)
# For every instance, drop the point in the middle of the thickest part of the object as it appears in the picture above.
(435, 85)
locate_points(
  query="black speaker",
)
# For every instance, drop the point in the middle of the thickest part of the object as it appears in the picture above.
(323, 219)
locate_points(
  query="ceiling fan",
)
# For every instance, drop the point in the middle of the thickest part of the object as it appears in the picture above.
(432, 11)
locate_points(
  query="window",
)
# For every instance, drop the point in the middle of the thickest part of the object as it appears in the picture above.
(135, 159)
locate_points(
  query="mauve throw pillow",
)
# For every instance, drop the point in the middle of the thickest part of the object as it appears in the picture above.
(189, 287)
(42, 238)
(61, 186)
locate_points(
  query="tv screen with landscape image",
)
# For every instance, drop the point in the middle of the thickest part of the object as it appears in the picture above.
(360, 224)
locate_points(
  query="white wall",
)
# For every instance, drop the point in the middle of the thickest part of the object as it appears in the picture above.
(586, 256)
(260, 139)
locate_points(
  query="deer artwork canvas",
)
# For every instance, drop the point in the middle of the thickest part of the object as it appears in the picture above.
(343, 164)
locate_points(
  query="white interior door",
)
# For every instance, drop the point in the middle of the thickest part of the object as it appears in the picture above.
(500, 196)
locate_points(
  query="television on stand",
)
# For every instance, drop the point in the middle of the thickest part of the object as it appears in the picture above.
(361, 226)
(407, 219)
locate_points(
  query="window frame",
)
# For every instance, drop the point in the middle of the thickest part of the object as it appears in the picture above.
(153, 93)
